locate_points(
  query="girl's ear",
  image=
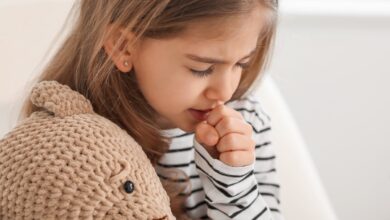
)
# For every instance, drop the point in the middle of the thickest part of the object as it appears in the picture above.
(122, 56)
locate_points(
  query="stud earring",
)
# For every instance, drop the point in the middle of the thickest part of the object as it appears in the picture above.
(126, 63)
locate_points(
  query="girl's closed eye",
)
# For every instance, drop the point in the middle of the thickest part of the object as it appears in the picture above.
(204, 73)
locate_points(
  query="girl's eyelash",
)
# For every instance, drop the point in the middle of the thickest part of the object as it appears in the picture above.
(204, 73)
(243, 65)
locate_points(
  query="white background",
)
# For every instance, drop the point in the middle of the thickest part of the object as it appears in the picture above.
(332, 64)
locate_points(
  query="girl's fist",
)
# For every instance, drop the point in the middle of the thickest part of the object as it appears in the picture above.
(227, 137)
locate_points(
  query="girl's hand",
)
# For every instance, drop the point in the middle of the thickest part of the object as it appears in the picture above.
(227, 137)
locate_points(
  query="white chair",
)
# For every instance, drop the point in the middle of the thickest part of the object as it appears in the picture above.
(302, 194)
(28, 28)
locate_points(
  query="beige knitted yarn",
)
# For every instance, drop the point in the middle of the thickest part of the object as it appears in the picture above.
(67, 162)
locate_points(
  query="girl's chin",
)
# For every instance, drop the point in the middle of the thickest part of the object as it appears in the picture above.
(188, 124)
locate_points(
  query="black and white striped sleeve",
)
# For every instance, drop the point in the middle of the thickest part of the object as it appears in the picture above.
(265, 166)
(250, 192)
(231, 192)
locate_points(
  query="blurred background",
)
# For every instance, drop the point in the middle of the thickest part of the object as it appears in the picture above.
(330, 63)
(332, 66)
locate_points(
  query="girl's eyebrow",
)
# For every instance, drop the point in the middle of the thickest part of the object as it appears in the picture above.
(214, 60)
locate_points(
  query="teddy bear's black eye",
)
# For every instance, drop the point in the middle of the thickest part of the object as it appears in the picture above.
(129, 186)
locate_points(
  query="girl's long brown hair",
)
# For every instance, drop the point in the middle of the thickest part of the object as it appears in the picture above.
(82, 63)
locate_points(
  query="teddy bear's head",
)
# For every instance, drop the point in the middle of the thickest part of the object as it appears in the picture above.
(66, 162)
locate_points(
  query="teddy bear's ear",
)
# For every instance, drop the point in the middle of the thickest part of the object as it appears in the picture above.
(59, 99)
(121, 172)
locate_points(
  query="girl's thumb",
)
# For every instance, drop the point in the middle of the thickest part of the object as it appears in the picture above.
(208, 137)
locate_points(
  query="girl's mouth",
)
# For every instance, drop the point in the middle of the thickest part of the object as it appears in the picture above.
(200, 115)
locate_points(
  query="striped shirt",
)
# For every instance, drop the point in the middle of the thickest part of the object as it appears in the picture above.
(219, 191)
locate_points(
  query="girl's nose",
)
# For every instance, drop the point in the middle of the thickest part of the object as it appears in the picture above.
(222, 88)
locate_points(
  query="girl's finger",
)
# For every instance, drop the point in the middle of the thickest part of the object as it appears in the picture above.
(221, 111)
(208, 137)
(237, 158)
(234, 142)
(233, 125)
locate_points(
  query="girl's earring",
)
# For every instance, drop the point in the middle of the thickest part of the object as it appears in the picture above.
(127, 66)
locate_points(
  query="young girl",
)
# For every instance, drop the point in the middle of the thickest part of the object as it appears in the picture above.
(176, 75)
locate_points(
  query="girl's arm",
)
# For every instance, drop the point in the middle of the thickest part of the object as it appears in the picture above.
(249, 192)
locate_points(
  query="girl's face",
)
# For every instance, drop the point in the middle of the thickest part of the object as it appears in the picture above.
(169, 71)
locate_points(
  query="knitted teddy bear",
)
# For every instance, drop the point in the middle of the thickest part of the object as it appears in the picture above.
(67, 162)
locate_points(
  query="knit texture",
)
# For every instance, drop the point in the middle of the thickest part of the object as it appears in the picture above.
(67, 162)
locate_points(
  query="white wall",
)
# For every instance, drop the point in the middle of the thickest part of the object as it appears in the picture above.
(332, 66)
(23, 57)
